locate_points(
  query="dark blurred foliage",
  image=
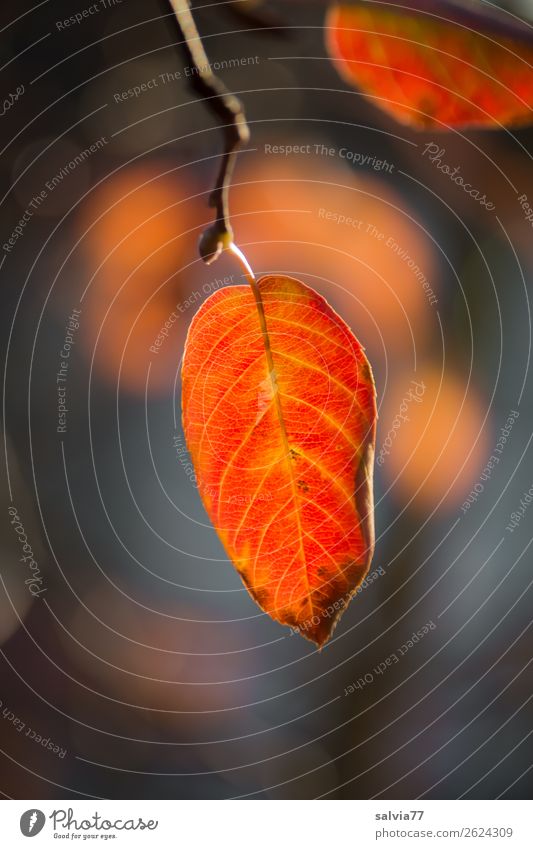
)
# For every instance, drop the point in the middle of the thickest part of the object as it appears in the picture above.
(145, 658)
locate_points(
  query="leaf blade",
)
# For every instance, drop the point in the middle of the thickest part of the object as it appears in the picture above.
(430, 73)
(283, 446)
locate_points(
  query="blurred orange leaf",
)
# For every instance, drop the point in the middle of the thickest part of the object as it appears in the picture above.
(280, 423)
(430, 73)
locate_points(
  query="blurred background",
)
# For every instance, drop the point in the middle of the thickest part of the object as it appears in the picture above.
(136, 665)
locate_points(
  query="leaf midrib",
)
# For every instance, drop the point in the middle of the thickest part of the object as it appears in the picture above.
(284, 436)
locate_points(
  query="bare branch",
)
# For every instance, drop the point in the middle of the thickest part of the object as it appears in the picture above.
(229, 110)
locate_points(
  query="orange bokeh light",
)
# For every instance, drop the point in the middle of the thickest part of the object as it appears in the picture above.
(440, 446)
(288, 214)
(135, 235)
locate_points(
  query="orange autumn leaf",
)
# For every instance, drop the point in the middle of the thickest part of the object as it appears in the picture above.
(429, 73)
(280, 424)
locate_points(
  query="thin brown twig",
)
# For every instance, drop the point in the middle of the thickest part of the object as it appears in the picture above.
(230, 111)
